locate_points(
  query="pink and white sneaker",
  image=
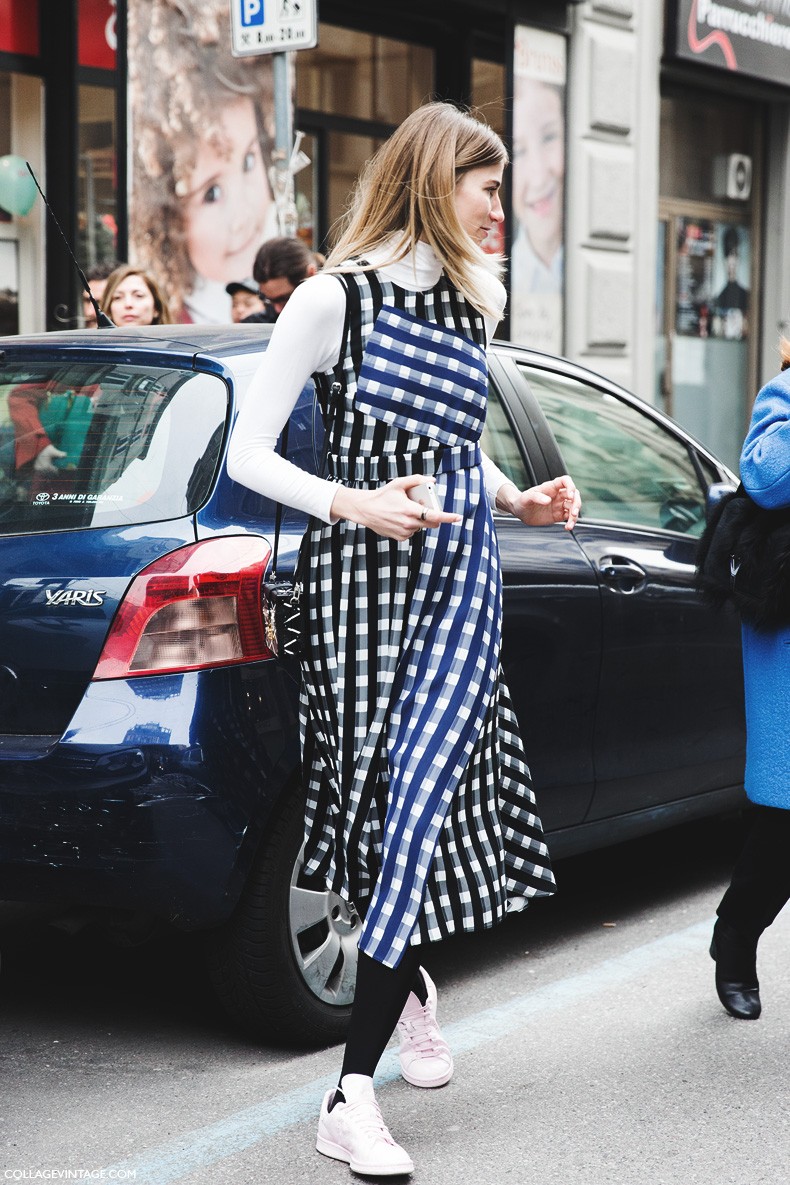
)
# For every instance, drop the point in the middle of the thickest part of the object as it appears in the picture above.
(355, 1132)
(425, 1058)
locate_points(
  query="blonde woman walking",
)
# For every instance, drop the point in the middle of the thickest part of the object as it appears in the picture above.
(420, 808)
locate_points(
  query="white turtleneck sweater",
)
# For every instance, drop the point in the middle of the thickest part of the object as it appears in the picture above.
(307, 339)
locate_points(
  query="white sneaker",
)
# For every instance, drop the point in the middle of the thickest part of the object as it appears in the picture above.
(356, 1133)
(425, 1058)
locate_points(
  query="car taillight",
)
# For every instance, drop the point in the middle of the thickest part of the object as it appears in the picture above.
(196, 607)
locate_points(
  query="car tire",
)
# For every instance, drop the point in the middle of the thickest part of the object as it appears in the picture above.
(284, 966)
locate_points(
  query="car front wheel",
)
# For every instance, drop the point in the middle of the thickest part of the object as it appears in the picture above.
(284, 966)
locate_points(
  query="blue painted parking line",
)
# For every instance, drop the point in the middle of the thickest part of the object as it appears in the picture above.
(206, 1146)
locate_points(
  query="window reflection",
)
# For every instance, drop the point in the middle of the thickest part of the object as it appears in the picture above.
(357, 74)
(629, 468)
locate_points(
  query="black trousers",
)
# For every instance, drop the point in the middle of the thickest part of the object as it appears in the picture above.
(760, 885)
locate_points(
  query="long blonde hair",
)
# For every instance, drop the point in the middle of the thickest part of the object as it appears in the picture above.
(406, 193)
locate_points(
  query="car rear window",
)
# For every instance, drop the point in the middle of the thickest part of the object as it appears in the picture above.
(106, 445)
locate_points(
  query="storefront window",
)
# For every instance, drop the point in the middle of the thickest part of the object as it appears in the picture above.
(697, 138)
(708, 267)
(352, 91)
(97, 194)
(488, 93)
(9, 248)
(357, 74)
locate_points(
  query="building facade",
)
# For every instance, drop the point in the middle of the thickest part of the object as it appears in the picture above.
(647, 224)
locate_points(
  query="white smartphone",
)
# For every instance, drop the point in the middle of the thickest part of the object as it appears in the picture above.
(425, 494)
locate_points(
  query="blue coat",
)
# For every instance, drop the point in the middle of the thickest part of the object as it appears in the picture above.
(765, 473)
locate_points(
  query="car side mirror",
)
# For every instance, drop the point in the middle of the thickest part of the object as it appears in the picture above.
(715, 493)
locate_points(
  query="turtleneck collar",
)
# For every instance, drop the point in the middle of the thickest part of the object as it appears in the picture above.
(419, 270)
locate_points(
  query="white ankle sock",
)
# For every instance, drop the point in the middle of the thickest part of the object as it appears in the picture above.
(356, 1087)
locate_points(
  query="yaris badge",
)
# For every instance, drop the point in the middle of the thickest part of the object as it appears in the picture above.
(76, 596)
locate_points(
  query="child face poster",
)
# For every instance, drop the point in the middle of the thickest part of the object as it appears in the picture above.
(538, 189)
(201, 130)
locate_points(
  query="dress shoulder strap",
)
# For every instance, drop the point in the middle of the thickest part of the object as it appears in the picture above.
(325, 386)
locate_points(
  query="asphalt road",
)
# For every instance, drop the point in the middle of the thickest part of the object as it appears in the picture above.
(590, 1049)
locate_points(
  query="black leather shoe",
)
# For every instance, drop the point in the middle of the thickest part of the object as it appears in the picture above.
(736, 972)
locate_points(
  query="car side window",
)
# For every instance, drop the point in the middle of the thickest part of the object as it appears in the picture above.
(629, 468)
(499, 442)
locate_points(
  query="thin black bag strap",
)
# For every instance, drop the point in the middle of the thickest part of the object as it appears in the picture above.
(336, 389)
(278, 513)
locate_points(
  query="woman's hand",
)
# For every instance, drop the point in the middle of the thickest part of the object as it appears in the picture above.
(388, 510)
(556, 501)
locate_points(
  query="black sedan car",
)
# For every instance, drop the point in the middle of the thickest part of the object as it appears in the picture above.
(149, 757)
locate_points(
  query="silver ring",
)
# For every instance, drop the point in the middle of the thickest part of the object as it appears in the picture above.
(424, 514)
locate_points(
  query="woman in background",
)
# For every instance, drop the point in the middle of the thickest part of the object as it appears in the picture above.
(760, 885)
(133, 297)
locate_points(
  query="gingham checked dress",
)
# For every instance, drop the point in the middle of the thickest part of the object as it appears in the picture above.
(420, 807)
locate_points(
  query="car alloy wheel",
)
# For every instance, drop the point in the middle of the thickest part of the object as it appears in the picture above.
(324, 934)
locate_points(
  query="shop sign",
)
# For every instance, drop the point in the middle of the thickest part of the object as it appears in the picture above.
(272, 26)
(19, 28)
(97, 37)
(746, 36)
(96, 34)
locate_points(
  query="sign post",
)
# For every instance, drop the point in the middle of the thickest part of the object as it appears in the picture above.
(276, 27)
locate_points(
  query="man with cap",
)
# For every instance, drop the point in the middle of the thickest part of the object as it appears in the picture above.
(245, 299)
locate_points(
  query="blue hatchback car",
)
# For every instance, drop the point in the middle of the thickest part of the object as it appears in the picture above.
(149, 756)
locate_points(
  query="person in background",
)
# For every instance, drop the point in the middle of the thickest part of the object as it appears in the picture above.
(245, 299)
(133, 297)
(760, 884)
(97, 281)
(279, 268)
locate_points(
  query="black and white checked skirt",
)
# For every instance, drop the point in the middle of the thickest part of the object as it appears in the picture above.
(420, 806)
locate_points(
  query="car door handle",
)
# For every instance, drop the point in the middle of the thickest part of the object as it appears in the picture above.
(621, 573)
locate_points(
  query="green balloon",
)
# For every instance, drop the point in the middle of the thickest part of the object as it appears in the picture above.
(17, 187)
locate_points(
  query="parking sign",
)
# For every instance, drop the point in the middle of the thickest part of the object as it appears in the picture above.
(272, 26)
(251, 13)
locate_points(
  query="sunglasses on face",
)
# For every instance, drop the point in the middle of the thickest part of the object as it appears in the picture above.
(276, 303)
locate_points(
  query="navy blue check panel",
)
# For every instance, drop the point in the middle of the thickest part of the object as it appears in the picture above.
(424, 378)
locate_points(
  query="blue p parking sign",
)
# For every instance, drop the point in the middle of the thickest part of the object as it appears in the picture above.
(270, 26)
(251, 13)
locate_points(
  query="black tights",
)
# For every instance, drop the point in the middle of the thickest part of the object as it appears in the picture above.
(380, 996)
(760, 884)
